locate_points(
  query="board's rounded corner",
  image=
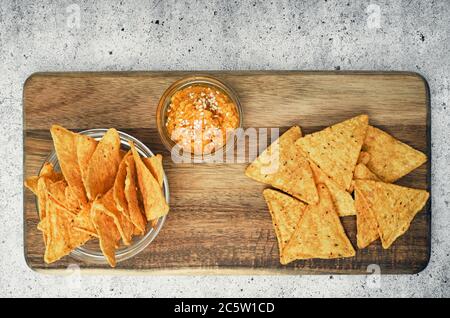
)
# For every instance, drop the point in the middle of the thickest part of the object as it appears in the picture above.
(29, 78)
(422, 266)
(28, 262)
(421, 78)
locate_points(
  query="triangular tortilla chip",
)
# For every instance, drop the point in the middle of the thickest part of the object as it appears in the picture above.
(85, 149)
(66, 151)
(155, 204)
(107, 205)
(393, 206)
(48, 172)
(363, 173)
(136, 215)
(319, 233)
(366, 223)
(154, 164)
(285, 212)
(119, 185)
(283, 166)
(108, 234)
(342, 200)
(390, 159)
(46, 176)
(336, 149)
(103, 165)
(61, 237)
(83, 222)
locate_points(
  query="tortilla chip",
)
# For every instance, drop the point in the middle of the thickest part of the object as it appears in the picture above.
(319, 233)
(103, 165)
(108, 206)
(43, 227)
(131, 194)
(57, 230)
(42, 196)
(336, 149)
(85, 149)
(394, 207)
(154, 164)
(108, 234)
(31, 183)
(61, 237)
(119, 185)
(390, 159)
(286, 212)
(155, 204)
(66, 151)
(363, 173)
(364, 157)
(366, 223)
(48, 172)
(83, 222)
(283, 166)
(342, 200)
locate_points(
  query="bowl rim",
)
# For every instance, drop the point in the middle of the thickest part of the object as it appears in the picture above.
(124, 252)
(185, 82)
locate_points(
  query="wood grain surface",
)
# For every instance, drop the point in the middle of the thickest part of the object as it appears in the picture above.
(219, 222)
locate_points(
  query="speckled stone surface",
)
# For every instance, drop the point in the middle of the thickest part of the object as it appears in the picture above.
(221, 35)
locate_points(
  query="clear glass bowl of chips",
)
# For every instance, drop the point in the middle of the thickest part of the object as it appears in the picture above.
(90, 252)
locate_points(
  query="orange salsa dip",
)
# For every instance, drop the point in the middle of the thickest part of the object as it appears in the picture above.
(199, 118)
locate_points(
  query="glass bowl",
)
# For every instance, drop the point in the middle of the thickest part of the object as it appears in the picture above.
(90, 252)
(164, 102)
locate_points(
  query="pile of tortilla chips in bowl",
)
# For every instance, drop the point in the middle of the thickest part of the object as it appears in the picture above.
(109, 201)
(347, 169)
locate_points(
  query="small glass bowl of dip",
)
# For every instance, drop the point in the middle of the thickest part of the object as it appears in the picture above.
(197, 116)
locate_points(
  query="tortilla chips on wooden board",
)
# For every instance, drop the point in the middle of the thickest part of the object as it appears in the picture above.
(390, 159)
(343, 158)
(155, 204)
(319, 233)
(283, 166)
(285, 211)
(393, 206)
(336, 149)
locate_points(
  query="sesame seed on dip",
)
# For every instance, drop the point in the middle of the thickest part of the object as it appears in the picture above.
(199, 118)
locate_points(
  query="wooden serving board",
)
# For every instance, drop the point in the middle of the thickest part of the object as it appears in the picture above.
(219, 221)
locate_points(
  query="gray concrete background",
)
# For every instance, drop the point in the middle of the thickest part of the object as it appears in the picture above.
(220, 35)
